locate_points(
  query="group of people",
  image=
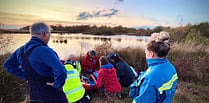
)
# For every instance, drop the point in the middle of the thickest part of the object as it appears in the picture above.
(53, 81)
(111, 73)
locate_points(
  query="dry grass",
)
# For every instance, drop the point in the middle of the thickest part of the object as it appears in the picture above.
(12, 88)
(190, 60)
(191, 93)
(135, 57)
(189, 47)
(97, 98)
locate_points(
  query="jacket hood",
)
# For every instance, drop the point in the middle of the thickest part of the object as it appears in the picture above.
(153, 62)
(35, 41)
(107, 66)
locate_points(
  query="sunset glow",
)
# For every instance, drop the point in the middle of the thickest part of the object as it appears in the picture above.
(129, 13)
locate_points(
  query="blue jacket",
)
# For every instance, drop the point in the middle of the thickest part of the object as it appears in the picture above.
(43, 60)
(158, 83)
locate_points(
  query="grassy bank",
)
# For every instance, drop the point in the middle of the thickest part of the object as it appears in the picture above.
(13, 90)
(189, 54)
(191, 63)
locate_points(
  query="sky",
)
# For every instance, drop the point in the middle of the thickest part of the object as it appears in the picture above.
(128, 13)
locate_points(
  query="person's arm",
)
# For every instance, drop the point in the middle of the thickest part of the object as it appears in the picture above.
(51, 59)
(147, 93)
(97, 63)
(13, 66)
(120, 69)
(99, 79)
(78, 67)
(84, 65)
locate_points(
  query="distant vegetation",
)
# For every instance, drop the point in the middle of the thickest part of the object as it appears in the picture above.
(189, 54)
(94, 30)
(120, 30)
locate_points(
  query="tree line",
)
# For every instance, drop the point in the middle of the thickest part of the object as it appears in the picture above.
(103, 30)
(203, 28)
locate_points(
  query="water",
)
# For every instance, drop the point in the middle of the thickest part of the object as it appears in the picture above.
(76, 44)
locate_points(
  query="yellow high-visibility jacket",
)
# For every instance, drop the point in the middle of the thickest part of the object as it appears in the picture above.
(73, 88)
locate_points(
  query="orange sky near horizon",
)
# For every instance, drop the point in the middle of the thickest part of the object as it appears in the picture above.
(129, 13)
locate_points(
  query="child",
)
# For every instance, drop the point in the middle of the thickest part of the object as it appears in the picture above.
(107, 76)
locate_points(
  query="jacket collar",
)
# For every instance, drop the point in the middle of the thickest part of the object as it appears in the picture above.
(153, 62)
(34, 41)
(107, 66)
(37, 41)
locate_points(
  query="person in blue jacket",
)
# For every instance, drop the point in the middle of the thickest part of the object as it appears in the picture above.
(158, 83)
(38, 64)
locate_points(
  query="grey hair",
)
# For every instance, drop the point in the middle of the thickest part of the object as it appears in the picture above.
(39, 28)
(162, 36)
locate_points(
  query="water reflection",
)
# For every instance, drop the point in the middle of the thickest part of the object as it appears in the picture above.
(60, 41)
(119, 40)
(65, 45)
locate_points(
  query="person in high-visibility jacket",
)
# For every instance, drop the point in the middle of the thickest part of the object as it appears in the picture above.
(73, 88)
(76, 64)
(158, 83)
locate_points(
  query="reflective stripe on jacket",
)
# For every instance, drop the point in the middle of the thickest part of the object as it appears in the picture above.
(73, 88)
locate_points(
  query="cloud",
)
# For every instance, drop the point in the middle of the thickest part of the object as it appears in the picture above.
(84, 15)
(120, 0)
(17, 18)
(101, 13)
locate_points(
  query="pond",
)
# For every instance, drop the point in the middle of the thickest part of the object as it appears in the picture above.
(67, 44)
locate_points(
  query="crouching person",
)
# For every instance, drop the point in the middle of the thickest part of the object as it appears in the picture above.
(124, 72)
(73, 88)
(107, 80)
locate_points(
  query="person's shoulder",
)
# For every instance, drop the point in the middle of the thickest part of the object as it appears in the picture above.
(101, 70)
(18, 50)
(86, 57)
(44, 48)
(43, 51)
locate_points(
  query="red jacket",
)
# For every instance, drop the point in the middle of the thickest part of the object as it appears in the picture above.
(89, 63)
(107, 76)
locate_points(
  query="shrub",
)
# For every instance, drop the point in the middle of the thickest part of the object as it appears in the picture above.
(196, 37)
(135, 57)
(191, 62)
(12, 88)
(104, 49)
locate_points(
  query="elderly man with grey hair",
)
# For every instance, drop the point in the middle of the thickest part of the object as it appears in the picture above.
(38, 64)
